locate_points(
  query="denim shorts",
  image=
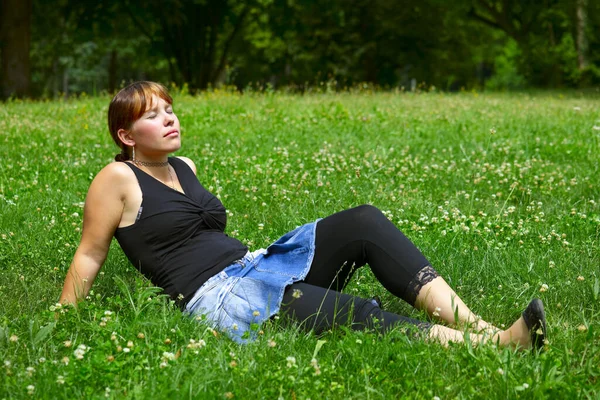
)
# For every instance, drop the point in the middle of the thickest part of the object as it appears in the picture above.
(249, 291)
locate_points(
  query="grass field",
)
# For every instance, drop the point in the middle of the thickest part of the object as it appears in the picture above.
(499, 191)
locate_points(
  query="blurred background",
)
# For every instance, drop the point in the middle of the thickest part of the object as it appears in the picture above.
(61, 48)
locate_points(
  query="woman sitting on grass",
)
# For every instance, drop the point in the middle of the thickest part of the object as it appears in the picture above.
(172, 229)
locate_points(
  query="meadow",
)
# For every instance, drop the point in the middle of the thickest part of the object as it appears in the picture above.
(499, 191)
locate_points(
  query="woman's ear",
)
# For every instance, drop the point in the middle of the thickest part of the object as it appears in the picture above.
(125, 137)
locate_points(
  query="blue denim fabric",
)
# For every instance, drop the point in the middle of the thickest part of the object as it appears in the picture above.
(250, 290)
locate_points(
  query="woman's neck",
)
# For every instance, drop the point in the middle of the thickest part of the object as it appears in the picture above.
(151, 164)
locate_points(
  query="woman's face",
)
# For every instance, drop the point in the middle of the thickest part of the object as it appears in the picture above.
(157, 131)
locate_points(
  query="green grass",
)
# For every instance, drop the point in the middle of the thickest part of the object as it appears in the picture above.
(499, 191)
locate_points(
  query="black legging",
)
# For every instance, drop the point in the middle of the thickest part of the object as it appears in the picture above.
(345, 241)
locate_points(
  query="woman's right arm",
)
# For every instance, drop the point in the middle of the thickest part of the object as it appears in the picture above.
(102, 213)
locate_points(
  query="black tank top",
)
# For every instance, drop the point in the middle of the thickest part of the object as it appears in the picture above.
(178, 240)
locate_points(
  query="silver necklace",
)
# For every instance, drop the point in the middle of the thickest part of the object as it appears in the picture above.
(171, 176)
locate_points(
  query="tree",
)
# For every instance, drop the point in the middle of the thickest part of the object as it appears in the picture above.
(582, 42)
(353, 41)
(195, 36)
(543, 31)
(15, 37)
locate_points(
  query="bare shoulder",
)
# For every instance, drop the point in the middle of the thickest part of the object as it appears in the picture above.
(116, 170)
(115, 175)
(189, 162)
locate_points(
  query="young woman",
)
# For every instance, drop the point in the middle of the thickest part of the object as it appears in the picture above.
(172, 229)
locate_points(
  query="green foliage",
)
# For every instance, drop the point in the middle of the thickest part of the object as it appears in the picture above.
(506, 74)
(499, 191)
(80, 47)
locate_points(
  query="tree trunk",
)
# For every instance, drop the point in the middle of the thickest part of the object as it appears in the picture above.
(65, 82)
(55, 87)
(582, 43)
(15, 38)
(112, 72)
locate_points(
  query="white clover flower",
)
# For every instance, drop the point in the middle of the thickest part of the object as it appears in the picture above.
(297, 293)
(500, 371)
(60, 380)
(544, 288)
(196, 344)
(315, 365)
(126, 350)
(291, 361)
(80, 351)
(13, 338)
(436, 312)
(168, 356)
(30, 389)
(525, 386)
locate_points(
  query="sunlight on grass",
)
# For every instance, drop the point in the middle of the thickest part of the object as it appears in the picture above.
(499, 191)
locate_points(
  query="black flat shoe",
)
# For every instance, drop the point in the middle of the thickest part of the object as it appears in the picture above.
(535, 319)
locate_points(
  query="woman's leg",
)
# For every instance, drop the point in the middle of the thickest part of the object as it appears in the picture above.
(516, 336)
(352, 238)
(319, 309)
(441, 302)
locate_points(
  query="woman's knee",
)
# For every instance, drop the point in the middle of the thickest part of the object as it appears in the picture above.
(366, 214)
